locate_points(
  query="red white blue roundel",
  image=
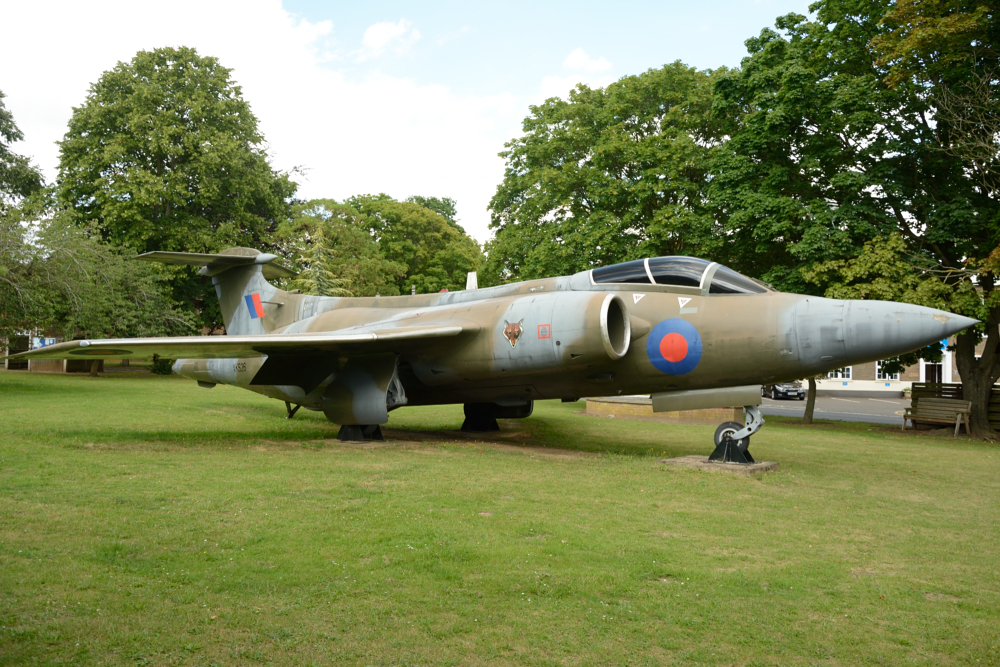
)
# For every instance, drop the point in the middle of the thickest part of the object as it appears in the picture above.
(674, 346)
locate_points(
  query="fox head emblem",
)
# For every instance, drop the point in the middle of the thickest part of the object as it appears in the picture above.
(512, 331)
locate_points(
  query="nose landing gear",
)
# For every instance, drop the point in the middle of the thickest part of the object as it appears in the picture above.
(732, 441)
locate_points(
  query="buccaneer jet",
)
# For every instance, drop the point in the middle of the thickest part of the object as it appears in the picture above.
(690, 332)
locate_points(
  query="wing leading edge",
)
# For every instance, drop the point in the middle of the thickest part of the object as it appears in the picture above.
(224, 347)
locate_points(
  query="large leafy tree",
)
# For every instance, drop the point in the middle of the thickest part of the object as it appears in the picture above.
(829, 150)
(435, 250)
(18, 177)
(330, 244)
(608, 175)
(165, 154)
(444, 206)
(58, 276)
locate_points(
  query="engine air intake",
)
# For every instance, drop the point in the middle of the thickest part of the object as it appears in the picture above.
(616, 330)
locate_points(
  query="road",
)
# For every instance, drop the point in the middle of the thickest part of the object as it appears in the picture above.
(875, 410)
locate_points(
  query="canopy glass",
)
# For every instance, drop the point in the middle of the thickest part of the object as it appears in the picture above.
(678, 271)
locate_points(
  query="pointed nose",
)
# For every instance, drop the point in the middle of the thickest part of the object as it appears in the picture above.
(831, 333)
(879, 329)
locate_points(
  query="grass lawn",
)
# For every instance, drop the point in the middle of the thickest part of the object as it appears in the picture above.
(146, 521)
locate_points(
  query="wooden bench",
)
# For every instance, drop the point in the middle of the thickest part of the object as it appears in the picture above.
(939, 411)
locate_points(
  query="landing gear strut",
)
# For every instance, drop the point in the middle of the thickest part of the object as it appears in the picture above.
(732, 441)
(291, 411)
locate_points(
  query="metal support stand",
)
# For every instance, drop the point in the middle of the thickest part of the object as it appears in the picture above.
(360, 433)
(481, 417)
(732, 443)
(288, 407)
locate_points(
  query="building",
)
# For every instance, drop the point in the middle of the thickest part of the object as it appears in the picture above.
(33, 342)
(868, 380)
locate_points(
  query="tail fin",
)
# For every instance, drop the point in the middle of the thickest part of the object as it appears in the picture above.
(239, 276)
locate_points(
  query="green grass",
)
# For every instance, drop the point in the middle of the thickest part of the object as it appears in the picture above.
(146, 521)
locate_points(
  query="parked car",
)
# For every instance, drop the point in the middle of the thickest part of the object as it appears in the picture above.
(792, 390)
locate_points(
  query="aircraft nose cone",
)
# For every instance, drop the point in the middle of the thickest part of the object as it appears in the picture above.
(879, 329)
(832, 333)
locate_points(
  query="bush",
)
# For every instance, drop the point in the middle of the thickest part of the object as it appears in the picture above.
(162, 366)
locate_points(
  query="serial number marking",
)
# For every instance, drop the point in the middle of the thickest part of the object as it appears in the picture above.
(240, 367)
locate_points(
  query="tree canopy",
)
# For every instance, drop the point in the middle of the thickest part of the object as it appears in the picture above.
(608, 175)
(335, 252)
(859, 141)
(436, 251)
(443, 206)
(58, 276)
(18, 177)
(836, 140)
(824, 155)
(165, 154)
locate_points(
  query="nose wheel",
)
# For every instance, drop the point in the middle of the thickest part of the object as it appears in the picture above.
(732, 440)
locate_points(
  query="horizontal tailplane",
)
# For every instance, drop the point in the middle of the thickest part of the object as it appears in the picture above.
(214, 264)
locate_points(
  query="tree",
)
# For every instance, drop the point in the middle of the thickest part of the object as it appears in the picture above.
(608, 175)
(437, 253)
(952, 50)
(807, 414)
(825, 155)
(317, 277)
(18, 177)
(165, 154)
(61, 277)
(443, 206)
(336, 253)
(885, 272)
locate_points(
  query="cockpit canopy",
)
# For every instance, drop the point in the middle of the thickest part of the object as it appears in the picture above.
(678, 271)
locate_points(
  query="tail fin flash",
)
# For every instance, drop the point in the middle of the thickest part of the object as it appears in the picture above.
(240, 278)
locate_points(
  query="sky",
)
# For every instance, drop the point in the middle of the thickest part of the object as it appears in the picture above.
(395, 97)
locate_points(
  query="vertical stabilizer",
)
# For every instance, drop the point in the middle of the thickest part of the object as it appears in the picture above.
(248, 302)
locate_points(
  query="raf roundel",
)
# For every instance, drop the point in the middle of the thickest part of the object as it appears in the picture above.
(674, 346)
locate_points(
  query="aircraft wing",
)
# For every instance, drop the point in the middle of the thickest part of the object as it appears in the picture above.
(356, 340)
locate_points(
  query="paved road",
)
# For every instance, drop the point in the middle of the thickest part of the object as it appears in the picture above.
(875, 410)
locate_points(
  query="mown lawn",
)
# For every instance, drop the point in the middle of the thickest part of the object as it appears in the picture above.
(146, 521)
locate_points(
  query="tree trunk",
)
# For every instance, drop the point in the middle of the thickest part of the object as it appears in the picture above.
(94, 365)
(807, 417)
(979, 375)
(125, 362)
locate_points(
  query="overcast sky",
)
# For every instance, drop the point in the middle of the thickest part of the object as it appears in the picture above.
(395, 97)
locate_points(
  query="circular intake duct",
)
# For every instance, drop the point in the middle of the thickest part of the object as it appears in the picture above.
(616, 330)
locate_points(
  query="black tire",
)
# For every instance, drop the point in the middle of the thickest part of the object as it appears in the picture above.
(731, 427)
(802, 397)
(774, 394)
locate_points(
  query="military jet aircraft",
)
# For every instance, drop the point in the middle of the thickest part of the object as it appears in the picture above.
(690, 332)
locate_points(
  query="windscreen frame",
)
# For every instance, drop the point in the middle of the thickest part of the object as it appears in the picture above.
(696, 280)
(631, 264)
(744, 285)
(749, 286)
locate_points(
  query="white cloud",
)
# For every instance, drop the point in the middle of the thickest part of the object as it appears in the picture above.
(578, 59)
(354, 134)
(559, 85)
(381, 37)
(452, 36)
